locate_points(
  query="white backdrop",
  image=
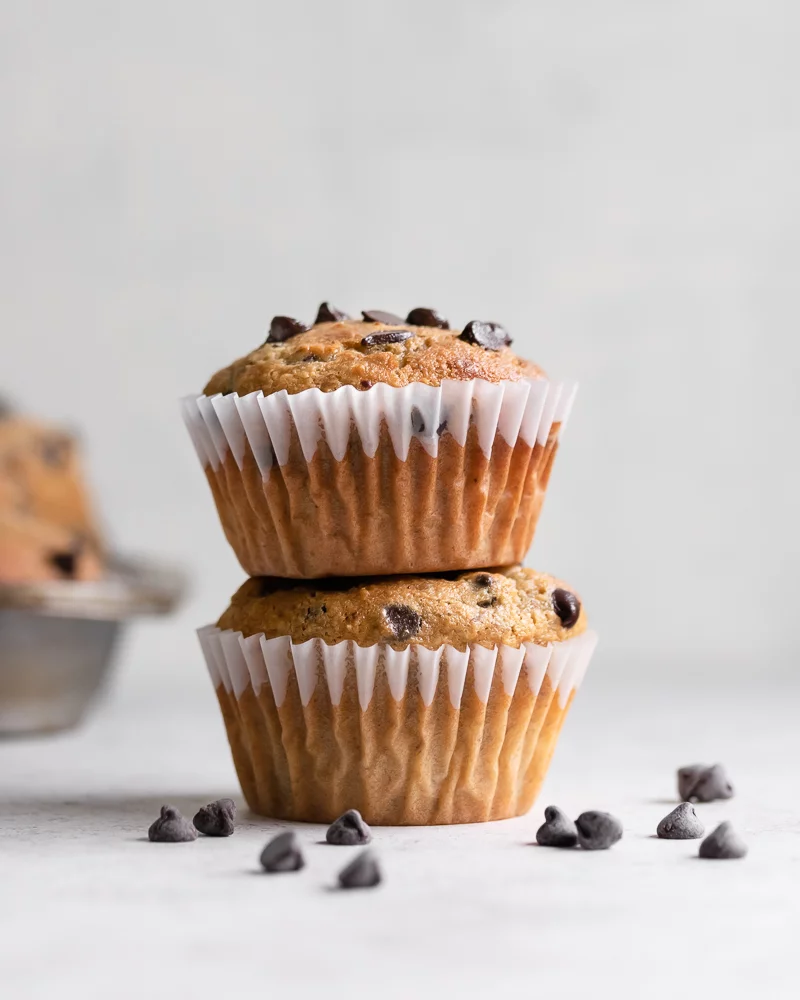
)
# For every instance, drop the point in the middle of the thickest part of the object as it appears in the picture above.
(616, 182)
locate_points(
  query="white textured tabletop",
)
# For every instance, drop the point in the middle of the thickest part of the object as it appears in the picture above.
(90, 909)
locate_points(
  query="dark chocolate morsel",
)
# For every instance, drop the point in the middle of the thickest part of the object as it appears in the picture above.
(65, 563)
(597, 831)
(441, 428)
(329, 314)
(283, 327)
(567, 606)
(363, 872)
(427, 317)
(378, 316)
(490, 336)
(390, 337)
(217, 819)
(417, 420)
(698, 783)
(403, 621)
(365, 383)
(558, 830)
(681, 824)
(283, 854)
(171, 828)
(349, 829)
(482, 580)
(723, 843)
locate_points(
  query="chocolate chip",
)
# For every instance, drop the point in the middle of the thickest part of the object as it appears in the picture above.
(171, 828)
(377, 316)
(330, 314)
(488, 603)
(558, 830)
(283, 854)
(283, 327)
(417, 420)
(349, 829)
(681, 824)
(65, 563)
(366, 384)
(427, 317)
(482, 580)
(723, 843)
(441, 428)
(363, 872)
(567, 606)
(597, 831)
(403, 621)
(490, 336)
(390, 337)
(699, 783)
(217, 819)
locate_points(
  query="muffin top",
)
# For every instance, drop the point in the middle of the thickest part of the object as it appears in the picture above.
(338, 350)
(509, 606)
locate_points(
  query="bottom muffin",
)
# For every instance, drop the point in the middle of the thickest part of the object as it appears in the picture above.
(416, 700)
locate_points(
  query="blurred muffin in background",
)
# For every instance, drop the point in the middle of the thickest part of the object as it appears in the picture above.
(47, 527)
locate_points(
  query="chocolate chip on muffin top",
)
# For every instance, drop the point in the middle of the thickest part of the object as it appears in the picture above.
(380, 348)
(499, 606)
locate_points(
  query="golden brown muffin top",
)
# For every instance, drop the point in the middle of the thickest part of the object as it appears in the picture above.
(508, 606)
(380, 348)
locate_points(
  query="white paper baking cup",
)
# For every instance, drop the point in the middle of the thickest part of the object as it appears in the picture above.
(236, 662)
(524, 409)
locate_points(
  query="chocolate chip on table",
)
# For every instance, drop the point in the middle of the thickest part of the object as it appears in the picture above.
(427, 317)
(283, 854)
(681, 824)
(330, 314)
(699, 783)
(558, 830)
(723, 843)
(597, 831)
(378, 316)
(390, 337)
(403, 621)
(283, 327)
(217, 819)
(65, 563)
(171, 828)
(567, 606)
(349, 829)
(490, 336)
(363, 872)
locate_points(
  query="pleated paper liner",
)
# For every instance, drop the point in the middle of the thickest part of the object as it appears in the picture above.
(416, 736)
(417, 479)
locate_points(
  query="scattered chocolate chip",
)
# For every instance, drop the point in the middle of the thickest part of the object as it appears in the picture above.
(390, 337)
(427, 317)
(365, 383)
(490, 336)
(567, 606)
(377, 316)
(171, 828)
(283, 327)
(417, 420)
(482, 580)
(699, 783)
(488, 603)
(441, 428)
(283, 854)
(724, 843)
(330, 314)
(363, 872)
(403, 621)
(217, 819)
(681, 824)
(65, 563)
(349, 829)
(597, 831)
(558, 830)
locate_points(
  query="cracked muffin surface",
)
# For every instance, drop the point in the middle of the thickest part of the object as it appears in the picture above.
(499, 606)
(332, 354)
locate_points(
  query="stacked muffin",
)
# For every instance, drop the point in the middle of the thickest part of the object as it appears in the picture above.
(371, 475)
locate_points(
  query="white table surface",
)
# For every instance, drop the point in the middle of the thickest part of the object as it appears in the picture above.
(90, 909)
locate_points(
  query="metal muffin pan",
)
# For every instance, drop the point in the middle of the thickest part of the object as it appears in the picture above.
(57, 640)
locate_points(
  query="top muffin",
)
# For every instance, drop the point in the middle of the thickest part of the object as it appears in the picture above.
(339, 350)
